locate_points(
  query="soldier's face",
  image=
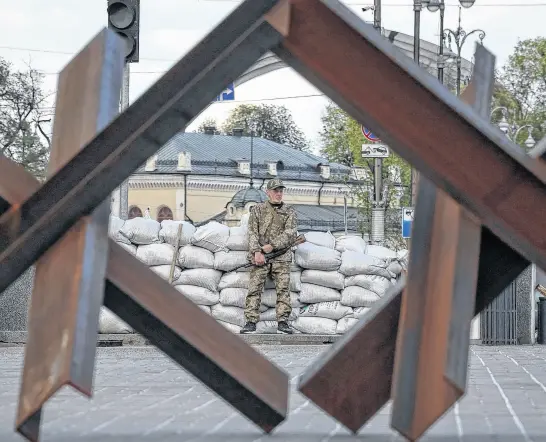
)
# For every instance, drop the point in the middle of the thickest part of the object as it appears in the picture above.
(275, 195)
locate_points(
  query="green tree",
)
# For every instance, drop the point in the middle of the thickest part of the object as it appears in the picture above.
(341, 142)
(22, 136)
(208, 122)
(272, 122)
(521, 88)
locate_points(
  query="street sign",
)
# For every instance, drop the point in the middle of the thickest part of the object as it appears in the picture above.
(407, 221)
(228, 94)
(369, 135)
(375, 151)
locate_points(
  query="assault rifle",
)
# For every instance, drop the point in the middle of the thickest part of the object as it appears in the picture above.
(269, 256)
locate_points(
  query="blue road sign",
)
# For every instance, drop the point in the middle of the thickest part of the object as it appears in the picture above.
(369, 135)
(228, 94)
(407, 221)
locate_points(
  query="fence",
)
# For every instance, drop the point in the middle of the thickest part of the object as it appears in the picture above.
(499, 319)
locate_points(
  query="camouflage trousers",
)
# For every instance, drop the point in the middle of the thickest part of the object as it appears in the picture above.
(280, 273)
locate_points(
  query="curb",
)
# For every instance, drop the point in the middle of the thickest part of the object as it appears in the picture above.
(134, 339)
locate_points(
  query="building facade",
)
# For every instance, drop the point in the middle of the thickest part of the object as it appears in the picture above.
(198, 177)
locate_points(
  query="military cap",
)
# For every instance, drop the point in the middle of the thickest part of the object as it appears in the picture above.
(275, 183)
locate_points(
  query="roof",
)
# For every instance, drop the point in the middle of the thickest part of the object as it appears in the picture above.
(218, 155)
(250, 194)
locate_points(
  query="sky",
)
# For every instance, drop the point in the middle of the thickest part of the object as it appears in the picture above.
(47, 34)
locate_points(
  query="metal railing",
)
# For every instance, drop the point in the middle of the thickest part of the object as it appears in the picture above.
(499, 320)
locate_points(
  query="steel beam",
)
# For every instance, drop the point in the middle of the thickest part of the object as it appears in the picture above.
(69, 281)
(189, 336)
(339, 53)
(196, 341)
(27, 231)
(352, 382)
(305, 49)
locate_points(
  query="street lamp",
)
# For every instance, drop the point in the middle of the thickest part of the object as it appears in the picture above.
(512, 130)
(459, 37)
(467, 3)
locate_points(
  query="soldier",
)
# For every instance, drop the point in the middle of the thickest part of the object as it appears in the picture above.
(272, 226)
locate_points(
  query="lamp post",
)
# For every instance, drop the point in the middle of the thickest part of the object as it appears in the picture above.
(459, 37)
(512, 130)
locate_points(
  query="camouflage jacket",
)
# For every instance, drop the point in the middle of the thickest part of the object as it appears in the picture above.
(275, 225)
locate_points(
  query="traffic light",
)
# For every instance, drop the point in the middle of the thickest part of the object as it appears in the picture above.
(124, 18)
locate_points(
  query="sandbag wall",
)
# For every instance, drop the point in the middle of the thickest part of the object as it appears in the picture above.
(333, 281)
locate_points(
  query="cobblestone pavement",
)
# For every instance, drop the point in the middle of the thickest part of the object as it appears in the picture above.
(140, 395)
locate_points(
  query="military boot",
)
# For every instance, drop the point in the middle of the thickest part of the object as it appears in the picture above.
(250, 327)
(283, 327)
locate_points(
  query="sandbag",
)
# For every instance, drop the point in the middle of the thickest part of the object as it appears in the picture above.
(295, 281)
(233, 296)
(231, 327)
(332, 279)
(199, 295)
(322, 239)
(165, 271)
(271, 314)
(315, 326)
(345, 324)
(244, 220)
(114, 226)
(212, 236)
(380, 252)
(395, 268)
(351, 243)
(359, 312)
(235, 280)
(228, 261)
(313, 257)
(238, 231)
(374, 283)
(206, 278)
(109, 323)
(192, 257)
(229, 313)
(238, 243)
(354, 263)
(155, 254)
(131, 248)
(269, 298)
(331, 310)
(169, 232)
(141, 231)
(312, 293)
(355, 296)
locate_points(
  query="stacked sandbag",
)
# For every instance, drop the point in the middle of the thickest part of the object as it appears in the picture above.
(333, 282)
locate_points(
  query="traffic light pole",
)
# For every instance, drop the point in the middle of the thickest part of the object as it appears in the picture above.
(124, 188)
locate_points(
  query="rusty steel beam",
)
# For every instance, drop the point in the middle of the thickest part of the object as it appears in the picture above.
(27, 231)
(353, 380)
(196, 341)
(499, 264)
(69, 281)
(479, 94)
(339, 53)
(189, 336)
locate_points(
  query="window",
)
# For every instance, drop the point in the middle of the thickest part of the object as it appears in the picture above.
(135, 212)
(164, 213)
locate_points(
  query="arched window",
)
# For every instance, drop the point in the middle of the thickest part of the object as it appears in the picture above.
(164, 213)
(135, 212)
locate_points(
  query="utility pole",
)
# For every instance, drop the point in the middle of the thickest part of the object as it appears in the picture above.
(378, 210)
(124, 19)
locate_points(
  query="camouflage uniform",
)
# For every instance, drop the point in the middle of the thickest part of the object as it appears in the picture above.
(276, 225)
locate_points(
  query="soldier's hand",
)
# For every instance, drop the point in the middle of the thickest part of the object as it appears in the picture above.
(259, 258)
(268, 248)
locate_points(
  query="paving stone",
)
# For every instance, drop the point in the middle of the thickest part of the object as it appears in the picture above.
(141, 395)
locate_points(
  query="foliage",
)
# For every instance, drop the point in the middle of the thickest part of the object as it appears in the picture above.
(274, 123)
(521, 88)
(208, 122)
(341, 142)
(21, 137)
